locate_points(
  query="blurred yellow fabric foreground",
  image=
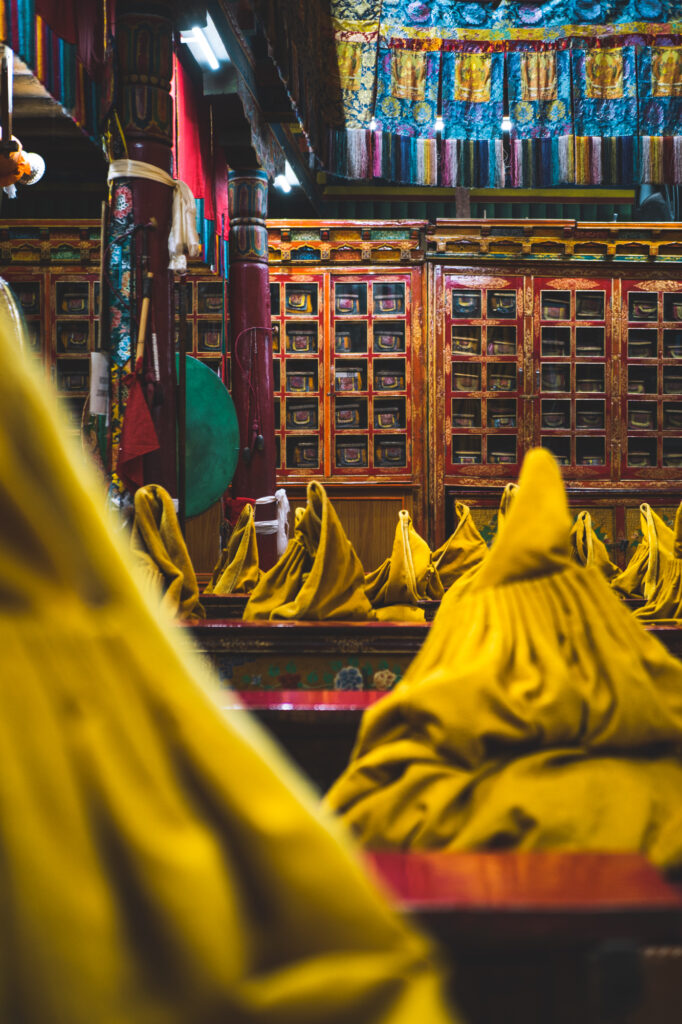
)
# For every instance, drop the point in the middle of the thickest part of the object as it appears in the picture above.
(538, 715)
(319, 576)
(237, 569)
(161, 861)
(161, 553)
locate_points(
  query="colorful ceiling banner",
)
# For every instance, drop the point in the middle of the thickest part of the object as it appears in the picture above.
(412, 91)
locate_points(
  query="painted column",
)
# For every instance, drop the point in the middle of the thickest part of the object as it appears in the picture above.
(144, 36)
(250, 325)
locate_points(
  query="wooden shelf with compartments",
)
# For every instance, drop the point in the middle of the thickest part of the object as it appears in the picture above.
(207, 319)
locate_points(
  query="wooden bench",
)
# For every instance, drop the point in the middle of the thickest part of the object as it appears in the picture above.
(547, 938)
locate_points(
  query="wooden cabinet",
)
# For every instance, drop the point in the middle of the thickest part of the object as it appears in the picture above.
(348, 383)
(206, 319)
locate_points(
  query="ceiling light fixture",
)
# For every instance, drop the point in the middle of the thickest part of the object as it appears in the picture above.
(506, 125)
(206, 45)
(282, 183)
(440, 124)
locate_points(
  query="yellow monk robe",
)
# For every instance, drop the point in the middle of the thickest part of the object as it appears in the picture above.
(641, 574)
(162, 863)
(665, 601)
(538, 715)
(588, 549)
(319, 576)
(405, 577)
(506, 501)
(237, 569)
(161, 553)
(463, 550)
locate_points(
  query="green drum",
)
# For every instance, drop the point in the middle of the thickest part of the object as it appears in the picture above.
(211, 437)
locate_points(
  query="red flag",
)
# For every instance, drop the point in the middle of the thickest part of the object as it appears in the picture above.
(138, 436)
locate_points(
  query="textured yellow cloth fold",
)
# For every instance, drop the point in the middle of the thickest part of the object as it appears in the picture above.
(588, 549)
(406, 576)
(161, 553)
(162, 863)
(237, 569)
(664, 604)
(319, 576)
(463, 550)
(538, 715)
(641, 574)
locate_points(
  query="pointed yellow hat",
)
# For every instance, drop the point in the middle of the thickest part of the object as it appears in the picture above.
(538, 715)
(665, 596)
(588, 549)
(161, 860)
(319, 576)
(655, 547)
(408, 575)
(159, 549)
(463, 550)
(237, 570)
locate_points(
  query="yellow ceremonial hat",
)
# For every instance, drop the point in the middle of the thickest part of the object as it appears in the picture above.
(642, 572)
(665, 594)
(463, 550)
(406, 577)
(161, 860)
(538, 715)
(319, 576)
(237, 569)
(588, 549)
(161, 553)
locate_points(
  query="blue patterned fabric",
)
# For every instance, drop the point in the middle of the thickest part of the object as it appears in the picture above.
(605, 91)
(407, 91)
(659, 82)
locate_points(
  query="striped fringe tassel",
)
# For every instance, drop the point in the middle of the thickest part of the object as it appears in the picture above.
(661, 160)
(472, 163)
(498, 169)
(565, 161)
(449, 163)
(540, 162)
(358, 153)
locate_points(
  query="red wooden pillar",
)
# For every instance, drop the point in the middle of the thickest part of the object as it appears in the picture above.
(144, 37)
(250, 325)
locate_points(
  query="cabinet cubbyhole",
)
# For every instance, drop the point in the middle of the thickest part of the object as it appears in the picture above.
(590, 451)
(672, 415)
(556, 377)
(350, 376)
(274, 298)
(502, 305)
(300, 298)
(275, 338)
(642, 380)
(502, 413)
(672, 344)
(466, 340)
(466, 412)
(72, 298)
(389, 336)
(28, 296)
(643, 306)
(189, 298)
(351, 336)
(589, 378)
(210, 296)
(643, 416)
(300, 337)
(302, 414)
(560, 447)
(555, 305)
(556, 341)
(303, 452)
(556, 415)
(73, 374)
(278, 452)
(390, 451)
(276, 374)
(642, 343)
(389, 298)
(589, 415)
(389, 375)
(466, 449)
(641, 452)
(589, 341)
(350, 413)
(301, 375)
(672, 380)
(351, 452)
(210, 336)
(501, 448)
(672, 309)
(466, 376)
(589, 305)
(501, 341)
(73, 336)
(278, 414)
(501, 376)
(389, 414)
(350, 298)
(672, 452)
(466, 304)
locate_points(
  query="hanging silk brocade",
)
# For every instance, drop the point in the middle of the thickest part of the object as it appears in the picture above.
(404, 144)
(542, 143)
(605, 115)
(473, 85)
(350, 146)
(659, 74)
